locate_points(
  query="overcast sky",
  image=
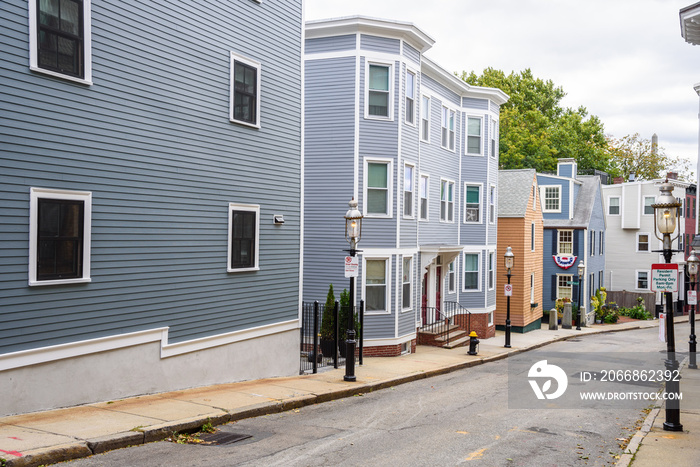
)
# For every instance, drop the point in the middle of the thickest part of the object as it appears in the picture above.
(624, 60)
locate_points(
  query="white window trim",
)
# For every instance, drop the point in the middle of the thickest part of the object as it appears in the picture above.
(454, 194)
(410, 283)
(390, 187)
(251, 208)
(387, 284)
(450, 112)
(532, 288)
(601, 243)
(636, 279)
(390, 117)
(481, 208)
(644, 198)
(543, 198)
(453, 271)
(466, 135)
(430, 106)
(636, 244)
(479, 272)
(619, 207)
(492, 204)
(491, 269)
(258, 66)
(34, 195)
(427, 198)
(533, 237)
(87, 45)
(490, 319)
(415, 101)
(591, 240)
(413, 192)
(494, 135)
(559, 231)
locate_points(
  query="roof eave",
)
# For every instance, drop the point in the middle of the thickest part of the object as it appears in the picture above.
(690, 23)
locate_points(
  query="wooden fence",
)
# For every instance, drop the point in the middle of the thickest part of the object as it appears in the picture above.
(627, 299)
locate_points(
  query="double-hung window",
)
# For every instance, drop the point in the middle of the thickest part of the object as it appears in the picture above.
(59, 232)
(614, 206)
(410, 97)
(564, 288)
(378, 190)
(551, 196)
(472, 203)
(492, 270)
(423, 193)
(451, 277)
(474, 136)
(243, 237)
(378, 91)
(448, 129)
(648, 201)
(425, 119)
(532, 236)
(494, 133)
(245, 91)
(492, 204)
(592, 242)
(408, 191)
(566, 242)
(60, 38)
(406, 303)
(643, 280)
(471, 271)
(447, 204)
(601, 243)
(375, 285)
(643, 242)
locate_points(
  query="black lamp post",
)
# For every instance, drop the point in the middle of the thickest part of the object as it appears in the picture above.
(665, 220)
(693, 264)
(353, 232)
(581, 269)
(508, 259)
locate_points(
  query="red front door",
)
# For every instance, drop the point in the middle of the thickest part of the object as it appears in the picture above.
(438, 289)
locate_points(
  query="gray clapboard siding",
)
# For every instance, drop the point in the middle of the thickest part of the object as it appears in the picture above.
(411, 53)
(152, 141)
(379, 44)
(331, 44)
(476, 104)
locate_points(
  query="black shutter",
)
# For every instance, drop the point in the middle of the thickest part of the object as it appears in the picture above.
(576, 233)
(554, 287)
(555, 233)
(574, 288)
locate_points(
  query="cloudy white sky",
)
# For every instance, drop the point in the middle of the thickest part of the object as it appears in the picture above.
(624, 60)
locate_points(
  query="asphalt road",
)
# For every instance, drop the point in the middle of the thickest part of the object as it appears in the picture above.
(459, 418)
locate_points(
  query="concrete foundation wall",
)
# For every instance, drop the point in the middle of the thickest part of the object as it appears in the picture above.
(139, 370)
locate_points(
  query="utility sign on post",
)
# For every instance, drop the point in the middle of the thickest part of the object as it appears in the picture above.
(692, 297)
(509, 290)
(664, 277)
(352, 266)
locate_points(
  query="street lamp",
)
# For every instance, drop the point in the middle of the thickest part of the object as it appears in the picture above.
(665, 219)
(581, 269)
(508, 260)
(693, 263)
(353, 232)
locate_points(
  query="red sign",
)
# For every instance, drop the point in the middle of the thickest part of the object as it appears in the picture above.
(664, 277)
(564, 261)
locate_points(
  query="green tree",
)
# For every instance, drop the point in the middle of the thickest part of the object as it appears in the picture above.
(535, 130)
(633, 154)
(326, 330)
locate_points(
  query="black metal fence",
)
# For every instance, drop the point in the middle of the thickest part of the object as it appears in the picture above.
(325, 348)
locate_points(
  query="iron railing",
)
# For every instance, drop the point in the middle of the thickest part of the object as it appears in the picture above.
(444, 318)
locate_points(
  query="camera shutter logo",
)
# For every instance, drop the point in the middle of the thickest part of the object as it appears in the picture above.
(543, 370)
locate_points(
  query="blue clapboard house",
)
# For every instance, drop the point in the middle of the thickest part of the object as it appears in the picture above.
(150, 193)
(418, 149)
(574, 232)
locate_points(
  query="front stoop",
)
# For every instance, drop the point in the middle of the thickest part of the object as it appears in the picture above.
(457, 337)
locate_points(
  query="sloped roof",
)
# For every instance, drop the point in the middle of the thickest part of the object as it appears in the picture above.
(583, 208)
(514, 189)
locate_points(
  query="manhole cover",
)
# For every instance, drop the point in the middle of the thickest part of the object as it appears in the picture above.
(221, 438)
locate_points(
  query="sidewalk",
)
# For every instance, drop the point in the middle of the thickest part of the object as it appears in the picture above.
(63, 434)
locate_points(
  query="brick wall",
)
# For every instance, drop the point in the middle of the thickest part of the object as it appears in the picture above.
(479, 324)
(387, 350)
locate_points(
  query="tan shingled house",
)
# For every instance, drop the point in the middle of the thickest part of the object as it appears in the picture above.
(520, 227)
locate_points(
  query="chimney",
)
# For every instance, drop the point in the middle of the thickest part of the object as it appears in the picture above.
(654, 144)
(618, 180)
(672, 176)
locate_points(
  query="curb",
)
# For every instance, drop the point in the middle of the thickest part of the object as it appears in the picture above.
(633, 446)
(110, 442)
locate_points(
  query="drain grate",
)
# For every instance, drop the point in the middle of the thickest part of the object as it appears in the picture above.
(222, 438)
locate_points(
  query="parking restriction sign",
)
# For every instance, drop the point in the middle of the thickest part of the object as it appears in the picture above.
(509, 290)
